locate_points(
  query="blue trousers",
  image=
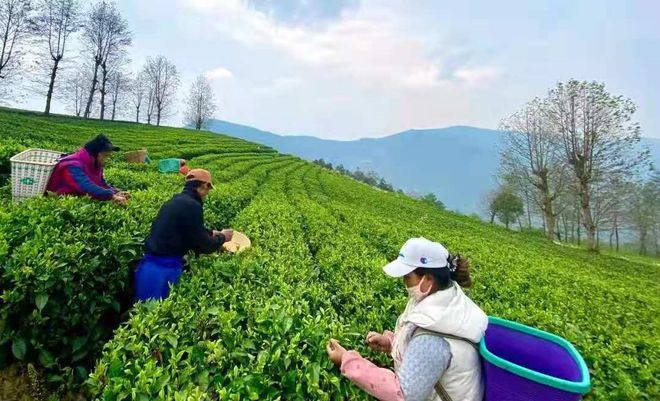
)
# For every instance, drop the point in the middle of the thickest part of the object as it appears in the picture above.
(154, 274)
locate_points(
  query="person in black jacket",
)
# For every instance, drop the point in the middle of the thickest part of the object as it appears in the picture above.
(178, 229)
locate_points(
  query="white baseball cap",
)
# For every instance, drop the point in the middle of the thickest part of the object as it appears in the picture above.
(417, 252)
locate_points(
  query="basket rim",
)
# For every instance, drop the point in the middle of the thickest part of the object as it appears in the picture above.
(582, 387)
(14, 159)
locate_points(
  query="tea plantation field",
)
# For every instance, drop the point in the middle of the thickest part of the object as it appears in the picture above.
(254, 326)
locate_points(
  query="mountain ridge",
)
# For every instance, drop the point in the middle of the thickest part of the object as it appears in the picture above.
(457, 163)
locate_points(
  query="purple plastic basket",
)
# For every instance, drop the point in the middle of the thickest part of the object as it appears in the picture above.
(521, 363)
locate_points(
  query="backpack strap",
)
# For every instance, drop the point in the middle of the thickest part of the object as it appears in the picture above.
(439, 389)
(442, 393)
(420, 331)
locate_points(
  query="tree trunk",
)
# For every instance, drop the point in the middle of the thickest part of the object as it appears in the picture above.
(88, 108)
(549, 217)
(543, 221)
(79, 100)
(114, 108)
(642, 242)
(592, 245)
(616, 235)
(104, 81)
(137, 114)
(579, 227)
(158, 117)
(492, 218)
(51, 86)
(529, 211)
(589, 226)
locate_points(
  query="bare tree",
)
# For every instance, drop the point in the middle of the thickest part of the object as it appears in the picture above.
(610, 199)
(532, 204)
(567, 207)
(164, 82)
(654, 184)
(531, 154)
(118, 84)
(598, 139)
(139, 91)
(76, 87)
(151, 102)
(485, 202)
(114, 65)
(201, 105)
(106, 35)
(150, 92)
(54, 24)
(644, 212)
(14, 28)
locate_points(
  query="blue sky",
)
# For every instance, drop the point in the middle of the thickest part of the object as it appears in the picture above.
(347, 69)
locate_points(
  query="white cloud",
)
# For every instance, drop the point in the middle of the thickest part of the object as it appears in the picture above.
(474, 76)
(371, 44)
(219, 73)
(374, 69)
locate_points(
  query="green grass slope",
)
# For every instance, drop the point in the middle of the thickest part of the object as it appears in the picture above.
(254, 326)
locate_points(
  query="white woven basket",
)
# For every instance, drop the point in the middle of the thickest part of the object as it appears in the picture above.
(30, 172)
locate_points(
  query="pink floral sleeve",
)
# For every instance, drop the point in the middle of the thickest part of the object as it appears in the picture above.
(379, 382)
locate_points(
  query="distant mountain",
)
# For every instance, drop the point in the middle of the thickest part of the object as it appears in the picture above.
(458, 163)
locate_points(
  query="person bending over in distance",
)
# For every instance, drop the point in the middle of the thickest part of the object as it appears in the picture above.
(434, 343)
(183, 169)
(81, 173)
(178, 229)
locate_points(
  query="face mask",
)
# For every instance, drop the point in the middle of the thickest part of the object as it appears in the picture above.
(416, 292)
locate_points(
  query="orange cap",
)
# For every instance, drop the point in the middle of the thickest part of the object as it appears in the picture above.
(199, 174)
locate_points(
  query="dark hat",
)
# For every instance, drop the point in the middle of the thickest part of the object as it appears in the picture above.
(99, 144)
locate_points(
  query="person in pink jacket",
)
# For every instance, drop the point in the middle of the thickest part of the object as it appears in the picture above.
(81, 173)
(433, 346)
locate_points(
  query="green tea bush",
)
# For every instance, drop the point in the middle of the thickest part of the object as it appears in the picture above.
(254, 325)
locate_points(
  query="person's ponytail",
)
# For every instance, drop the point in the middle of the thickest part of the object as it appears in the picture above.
(461, 273)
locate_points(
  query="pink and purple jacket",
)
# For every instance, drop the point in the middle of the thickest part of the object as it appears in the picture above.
(78, 174)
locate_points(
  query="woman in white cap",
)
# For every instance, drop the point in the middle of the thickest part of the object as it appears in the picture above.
(434, 344)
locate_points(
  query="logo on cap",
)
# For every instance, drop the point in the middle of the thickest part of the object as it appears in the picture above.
(423, 260)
